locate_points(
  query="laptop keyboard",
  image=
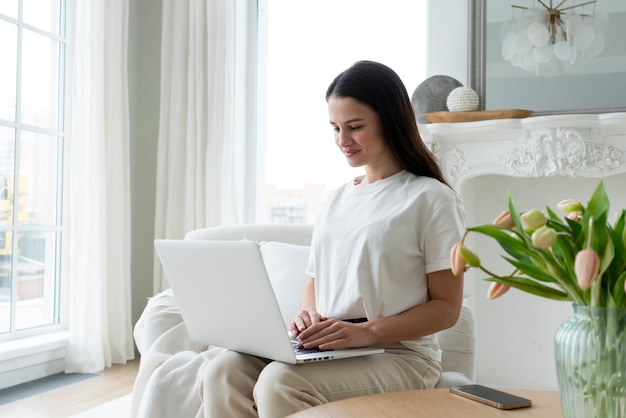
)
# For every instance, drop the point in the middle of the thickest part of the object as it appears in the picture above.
(298, 350)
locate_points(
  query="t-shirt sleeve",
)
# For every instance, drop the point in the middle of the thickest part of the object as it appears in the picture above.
(443, 229)
(310, 270)
(310, 267)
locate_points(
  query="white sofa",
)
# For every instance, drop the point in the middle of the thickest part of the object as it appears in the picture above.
(170, 360)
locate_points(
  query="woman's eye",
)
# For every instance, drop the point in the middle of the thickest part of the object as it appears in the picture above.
(354, 128)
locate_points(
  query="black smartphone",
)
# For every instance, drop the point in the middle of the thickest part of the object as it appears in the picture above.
(491, 397)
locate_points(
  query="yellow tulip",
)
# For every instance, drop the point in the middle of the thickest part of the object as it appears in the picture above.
(543, 237)
(570, 205)
(534, 218)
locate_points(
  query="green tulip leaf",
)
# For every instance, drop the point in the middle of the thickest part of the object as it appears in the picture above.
(617, 235)
(551, 215)
(598, 206)
(565, 250)
(514, 212)
(531, 286)
(513, 246)
(619, 292)
(576, 229)
(531, 270)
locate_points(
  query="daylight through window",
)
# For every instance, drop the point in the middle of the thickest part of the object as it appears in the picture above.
(303, 46)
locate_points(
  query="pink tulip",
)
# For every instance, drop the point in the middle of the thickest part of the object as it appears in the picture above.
(575, 216)
(496, 290)
(457, 262)
(504, 220)
(586, 266)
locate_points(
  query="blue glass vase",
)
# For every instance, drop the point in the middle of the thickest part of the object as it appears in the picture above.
(590, 355)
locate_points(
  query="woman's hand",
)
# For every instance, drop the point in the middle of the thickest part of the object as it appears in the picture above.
(308, 315)
(333, 334)
(305, 319)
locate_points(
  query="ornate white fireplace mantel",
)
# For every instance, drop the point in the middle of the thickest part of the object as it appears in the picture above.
(583, 145)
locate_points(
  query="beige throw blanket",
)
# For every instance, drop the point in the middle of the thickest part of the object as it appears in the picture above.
(171, 365)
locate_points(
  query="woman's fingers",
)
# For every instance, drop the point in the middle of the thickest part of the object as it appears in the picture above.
(334, 334)
(305, 319)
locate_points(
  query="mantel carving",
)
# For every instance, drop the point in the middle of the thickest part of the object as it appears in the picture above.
(566, 145)
(562, 151)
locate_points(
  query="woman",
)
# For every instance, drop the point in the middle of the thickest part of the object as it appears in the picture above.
(380, 266)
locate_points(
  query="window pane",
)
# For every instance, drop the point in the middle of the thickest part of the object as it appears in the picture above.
(5, 281)
(40, 75)
(36, 268)
(300, 59)
(9, 8)
(31, 140)
(43, 16)
(38, 179)
(7, 162)
(7, 156)
(8, 69)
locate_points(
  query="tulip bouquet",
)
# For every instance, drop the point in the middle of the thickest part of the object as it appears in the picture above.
(579, 257)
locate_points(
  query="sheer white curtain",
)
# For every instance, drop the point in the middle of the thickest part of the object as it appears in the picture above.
(201, 151)
(97, 264)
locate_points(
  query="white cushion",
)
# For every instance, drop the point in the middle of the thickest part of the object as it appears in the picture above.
(285, 265)
(458, 344)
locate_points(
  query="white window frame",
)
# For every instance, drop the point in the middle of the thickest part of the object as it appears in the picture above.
(32, 353)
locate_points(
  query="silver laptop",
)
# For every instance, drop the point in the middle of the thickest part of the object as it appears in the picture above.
(226, 300)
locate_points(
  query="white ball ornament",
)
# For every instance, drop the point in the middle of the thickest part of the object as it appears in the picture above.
(462, 99)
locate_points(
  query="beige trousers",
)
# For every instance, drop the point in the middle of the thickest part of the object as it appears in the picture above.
(240, 385)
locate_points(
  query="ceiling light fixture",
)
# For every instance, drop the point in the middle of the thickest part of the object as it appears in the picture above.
(547, 40)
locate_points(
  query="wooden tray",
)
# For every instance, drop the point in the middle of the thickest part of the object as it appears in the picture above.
(451, 117)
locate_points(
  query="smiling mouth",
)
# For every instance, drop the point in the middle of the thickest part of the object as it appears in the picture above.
(350, 153)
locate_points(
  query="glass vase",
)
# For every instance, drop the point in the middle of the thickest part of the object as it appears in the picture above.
(590, 355)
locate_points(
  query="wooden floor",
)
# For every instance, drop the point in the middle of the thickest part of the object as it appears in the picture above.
(66, 401)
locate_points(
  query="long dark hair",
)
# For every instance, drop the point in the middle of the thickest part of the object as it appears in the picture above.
(380, 88)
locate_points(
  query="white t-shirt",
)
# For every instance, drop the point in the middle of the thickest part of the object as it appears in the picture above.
(375, 243)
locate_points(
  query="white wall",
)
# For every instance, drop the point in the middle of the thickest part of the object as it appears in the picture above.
(144, 54)
(447, 38)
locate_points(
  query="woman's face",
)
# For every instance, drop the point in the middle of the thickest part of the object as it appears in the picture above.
(358, 132)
